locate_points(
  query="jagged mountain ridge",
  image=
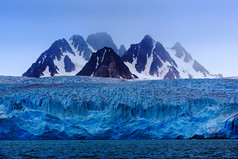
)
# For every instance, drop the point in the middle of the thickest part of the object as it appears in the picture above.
(45, 65)
(147, 59)
(190, 67)
(68, 57)
(106, 63)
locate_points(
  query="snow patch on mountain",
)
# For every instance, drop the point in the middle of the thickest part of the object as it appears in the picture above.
(46, 73)
(149, 60)
(185, 68)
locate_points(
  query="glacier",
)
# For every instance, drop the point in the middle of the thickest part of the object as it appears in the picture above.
(105, 108)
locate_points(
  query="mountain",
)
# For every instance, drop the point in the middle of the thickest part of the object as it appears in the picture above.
(187, 66)
(121, 50)
(61, 58)
(149, 59)
(106, 63)
(101, 40)
(67, 57)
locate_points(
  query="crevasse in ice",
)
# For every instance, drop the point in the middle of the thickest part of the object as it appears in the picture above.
(104, 108)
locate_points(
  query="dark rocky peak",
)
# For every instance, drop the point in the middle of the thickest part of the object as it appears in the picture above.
(101, 40)
(139, 50)
(47, 58)
(106, 63)
(163, 54)
(199, 68)
(148, 41)
(81, 46)
(159, 46)
(69, 66)
(179, 49)
(177, 45)
(121, 50)
(149, 55)
(181, 52)
(147, 37)
(78, 41)
(130, 53)
(57, 49)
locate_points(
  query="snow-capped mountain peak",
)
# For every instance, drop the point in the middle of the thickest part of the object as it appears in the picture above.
(80, 46)
(68, 57)
(45, 66)
(147, 58)
(187, 66)
(147, 40)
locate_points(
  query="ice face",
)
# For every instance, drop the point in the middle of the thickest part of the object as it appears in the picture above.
(104, 108)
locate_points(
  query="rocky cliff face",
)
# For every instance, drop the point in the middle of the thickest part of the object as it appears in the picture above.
(150, 59)
(45, 65)
(187, 65)
(181, 52)
(106, 63)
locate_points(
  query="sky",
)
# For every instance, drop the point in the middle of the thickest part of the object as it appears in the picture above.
(207, 29)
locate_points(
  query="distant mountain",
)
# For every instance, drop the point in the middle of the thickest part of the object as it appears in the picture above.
(101, 40)
(187, 66)
(67, 57)
(106, 63)
(121, 50)
(234, 77)
(149, 59)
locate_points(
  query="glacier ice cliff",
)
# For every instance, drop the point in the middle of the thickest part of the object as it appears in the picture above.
(103, 108)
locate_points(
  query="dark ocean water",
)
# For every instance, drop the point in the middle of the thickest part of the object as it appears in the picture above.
(119, 149)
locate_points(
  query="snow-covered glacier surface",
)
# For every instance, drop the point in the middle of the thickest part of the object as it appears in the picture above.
(103, 108)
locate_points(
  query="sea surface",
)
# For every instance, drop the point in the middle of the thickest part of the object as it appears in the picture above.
(119, 149)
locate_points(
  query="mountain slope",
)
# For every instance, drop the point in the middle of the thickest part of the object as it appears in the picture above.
(46, 63)
(149, 59)
(187, 66)
(106, 63)
(68, 57)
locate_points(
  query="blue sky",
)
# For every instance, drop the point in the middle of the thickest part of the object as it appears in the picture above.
(208, 29)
